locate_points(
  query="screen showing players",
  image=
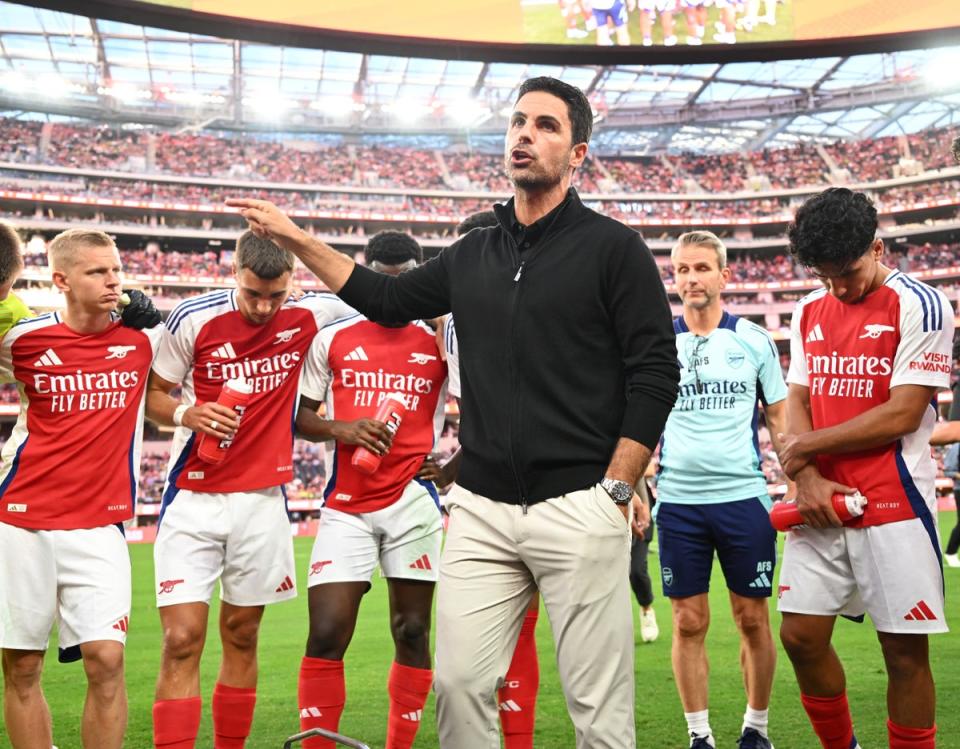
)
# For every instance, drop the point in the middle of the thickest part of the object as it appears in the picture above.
(598, 22)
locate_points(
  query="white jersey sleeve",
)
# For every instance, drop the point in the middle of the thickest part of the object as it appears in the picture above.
(317, 375)
(926, 340)
(797, 373)
(326, 307)
(174, 358)
(453, 356)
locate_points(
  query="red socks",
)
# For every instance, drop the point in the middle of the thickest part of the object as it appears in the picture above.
(175, 723)
(903, 737)
(232, 715)
(831, 720)
(408, 688)
(322, 695)
(518, 695)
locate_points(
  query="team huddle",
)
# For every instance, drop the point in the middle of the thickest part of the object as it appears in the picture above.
(571, 373)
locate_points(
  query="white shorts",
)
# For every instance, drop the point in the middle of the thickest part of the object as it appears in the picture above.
(891, 572)
(405, 538)
(243, 539)
(79, 579)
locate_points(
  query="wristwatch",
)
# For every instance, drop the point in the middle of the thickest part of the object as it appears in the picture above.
(620, 491)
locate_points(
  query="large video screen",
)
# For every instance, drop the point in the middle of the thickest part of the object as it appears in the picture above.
(596, 22)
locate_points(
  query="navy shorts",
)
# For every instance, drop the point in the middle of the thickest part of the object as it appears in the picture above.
(739, 531)
(617, 14)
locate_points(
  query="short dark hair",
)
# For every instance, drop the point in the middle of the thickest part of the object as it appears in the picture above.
(392, 248)
(578, 108)
(832, 228)
(11, 256)
(478, 220)
(262, 257)
(955, 148)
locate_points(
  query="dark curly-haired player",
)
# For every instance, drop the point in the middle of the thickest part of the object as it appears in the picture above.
(868, 353)
(389, 519)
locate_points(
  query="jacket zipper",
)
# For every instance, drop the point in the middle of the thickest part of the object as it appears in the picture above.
(516, 386)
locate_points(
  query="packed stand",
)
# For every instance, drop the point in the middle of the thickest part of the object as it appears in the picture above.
(644, 174)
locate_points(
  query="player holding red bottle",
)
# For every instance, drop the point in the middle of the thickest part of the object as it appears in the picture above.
(389, 517)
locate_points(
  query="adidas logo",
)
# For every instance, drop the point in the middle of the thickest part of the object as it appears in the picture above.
(224, 352)
(921, 613)
(414, 716)
(287, 584)
(423, 563)
(762, 581)
(510, 707)
(358, 354)
(310, 712)
(48, 359)
(122, 624)
(816, 334)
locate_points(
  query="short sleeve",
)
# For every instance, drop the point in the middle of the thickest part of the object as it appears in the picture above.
(327, 308)
(926, 339)
(317, 375)
(769, 374)
(797, 374)
(174, 355)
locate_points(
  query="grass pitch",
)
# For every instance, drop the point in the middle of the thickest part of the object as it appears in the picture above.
(660, 722)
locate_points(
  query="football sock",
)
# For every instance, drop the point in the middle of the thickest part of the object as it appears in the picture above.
(408, 688)
(698, 723)
(175, 723)
(322, 695)
(518, 695)
(905, 737)
(232, 715)
(755, 719)
(830, 718)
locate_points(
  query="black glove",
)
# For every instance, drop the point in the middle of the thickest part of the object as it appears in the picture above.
(140, 312)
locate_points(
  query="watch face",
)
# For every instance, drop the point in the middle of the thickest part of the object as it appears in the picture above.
(620, 491)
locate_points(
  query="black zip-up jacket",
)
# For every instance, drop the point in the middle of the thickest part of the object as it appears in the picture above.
(564, 347)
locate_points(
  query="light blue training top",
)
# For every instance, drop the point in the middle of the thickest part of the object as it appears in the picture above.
(710, 450)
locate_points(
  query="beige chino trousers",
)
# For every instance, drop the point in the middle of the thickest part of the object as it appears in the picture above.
(576, 549)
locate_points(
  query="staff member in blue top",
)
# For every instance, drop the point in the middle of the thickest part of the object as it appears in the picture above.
(712, 495)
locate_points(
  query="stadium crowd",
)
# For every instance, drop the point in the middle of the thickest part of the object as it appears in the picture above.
(313, 162)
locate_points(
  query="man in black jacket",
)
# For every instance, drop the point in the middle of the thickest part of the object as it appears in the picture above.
(568, 373)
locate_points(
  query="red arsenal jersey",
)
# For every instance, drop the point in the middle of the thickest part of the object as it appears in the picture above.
(73, 459)
(850, 356)
(352, 366)
(207, 342)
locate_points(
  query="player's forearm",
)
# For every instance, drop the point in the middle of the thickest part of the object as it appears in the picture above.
(945, 433)
(877, 427)
(629, 461)
(798, 410)
(313, 428)
(776, 417)
(327, 264)
(160, 407)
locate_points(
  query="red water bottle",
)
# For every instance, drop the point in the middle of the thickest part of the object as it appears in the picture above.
(785, 516)
(391, 412)
(236, 395)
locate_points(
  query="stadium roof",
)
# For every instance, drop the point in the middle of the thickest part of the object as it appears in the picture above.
(69, 65)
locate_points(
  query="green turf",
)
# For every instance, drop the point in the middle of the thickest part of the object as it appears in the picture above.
(543, 24)
(659, 720)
